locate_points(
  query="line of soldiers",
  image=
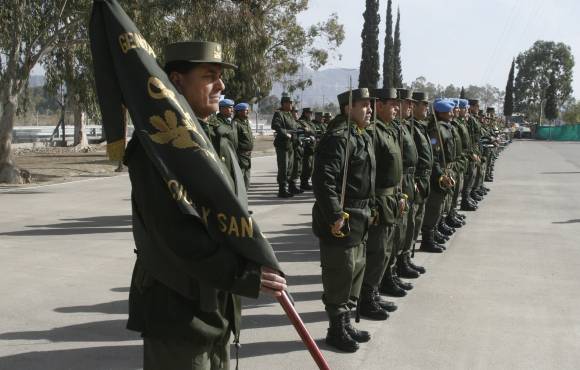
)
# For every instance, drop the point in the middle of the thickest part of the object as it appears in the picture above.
(230, 129)
(295, 141)
(387, 169)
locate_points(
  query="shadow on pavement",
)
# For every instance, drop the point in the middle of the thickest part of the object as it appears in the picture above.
(99, 331)
(94, 358)
(575, 221)
(120, 307)
(78, 226)
(274, 320)
(265, 348)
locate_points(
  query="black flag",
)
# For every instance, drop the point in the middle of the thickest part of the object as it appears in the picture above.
(128, 77)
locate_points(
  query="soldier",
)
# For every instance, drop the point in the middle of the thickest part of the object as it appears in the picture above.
(398, 266)
(343, 238)
(298, 145)
(442, 143)
(226, 134)
(284, 126)
(184, 310)
(319, 125)
(460, 166)
(327, 117)
(476, 135)
(389, 204)
(424, 164)
(308, 145)
(245, 140)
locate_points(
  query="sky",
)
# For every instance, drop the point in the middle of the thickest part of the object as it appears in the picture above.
(468, 42)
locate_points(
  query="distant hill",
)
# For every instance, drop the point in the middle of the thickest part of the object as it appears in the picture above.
(326, 85)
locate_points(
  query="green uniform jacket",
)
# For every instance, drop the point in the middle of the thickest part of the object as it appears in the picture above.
(442, 154)
(221, 138)
(475, 133)
(424, 160)
(245, 142)
(310, 135)
(327, 178)
(182, 277)
(283, 123)
(410, 157)
(389, 174)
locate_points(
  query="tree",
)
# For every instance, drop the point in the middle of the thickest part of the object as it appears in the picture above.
(397, 66)
(388, 57)
(369, 64)
(29, 30)
(462, 93)
(535, 68)
(508, 103)
(571, 113)
(551, 109)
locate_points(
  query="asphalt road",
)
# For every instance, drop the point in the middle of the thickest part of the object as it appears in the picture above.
(505, 295)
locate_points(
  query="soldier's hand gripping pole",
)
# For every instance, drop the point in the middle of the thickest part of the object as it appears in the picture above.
(345, 230)
(284, 301)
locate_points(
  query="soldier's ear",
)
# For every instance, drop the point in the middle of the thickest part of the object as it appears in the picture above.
(177, 79)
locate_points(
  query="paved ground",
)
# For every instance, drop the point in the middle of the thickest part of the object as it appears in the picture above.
(504, 296)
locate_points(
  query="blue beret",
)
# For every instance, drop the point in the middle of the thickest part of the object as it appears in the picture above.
(241, 106)
(456, 102)
(226, 103)
(443, 106)
(463, 103)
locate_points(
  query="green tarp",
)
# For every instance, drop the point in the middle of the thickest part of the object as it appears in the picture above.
(558, 133)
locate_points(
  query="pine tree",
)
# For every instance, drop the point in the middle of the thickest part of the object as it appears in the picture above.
(397, 67)
(462, 93)
(369, 64)
(551, 110)
(508, 103)
(388, 55)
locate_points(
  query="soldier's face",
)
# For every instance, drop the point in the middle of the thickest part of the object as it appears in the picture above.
(287, 106)
(387, 110)
(420, 110)
(243, 113)
(295, 114)
(361, 112)
(445, 116)
(462, 112)
(308, 116)
(227, 111)
(201, 87)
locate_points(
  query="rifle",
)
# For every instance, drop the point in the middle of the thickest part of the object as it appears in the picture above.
(438, 129)
(345, 216)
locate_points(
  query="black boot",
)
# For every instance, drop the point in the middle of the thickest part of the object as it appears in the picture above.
(467, 206)
(440, 238)
(475, 196)
(445, 229)
(338, 337)
(304, 185)
(459, 215)
(451, 221)
(360, 336)
(404, 270)
(293, 189)
(386, 305)
(403, 284)
(282, 193)
(428, 244)
(368, 306)
(389, 287)
(419, 269)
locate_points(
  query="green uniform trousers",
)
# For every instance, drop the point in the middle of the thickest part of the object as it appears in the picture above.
(419, 215)
(307, 167)
(173, 354)
(342, 276)
(409, 236)
(433, 210)
(379, 249)
(246, 172)
(297, 163)
(285, 161)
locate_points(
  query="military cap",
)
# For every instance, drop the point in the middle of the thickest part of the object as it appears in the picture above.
(306, 110)
(286, 99)
(473, 102)
(443, 106)
(404, 94)
(328, 115)
(420, 96)
(358, 94)
(226, 103)
(196, 52)
(384, 94)
(241, 106)
(294, 110)
(318, 113)
(490, 110)
(481, 112)
(463, 103)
